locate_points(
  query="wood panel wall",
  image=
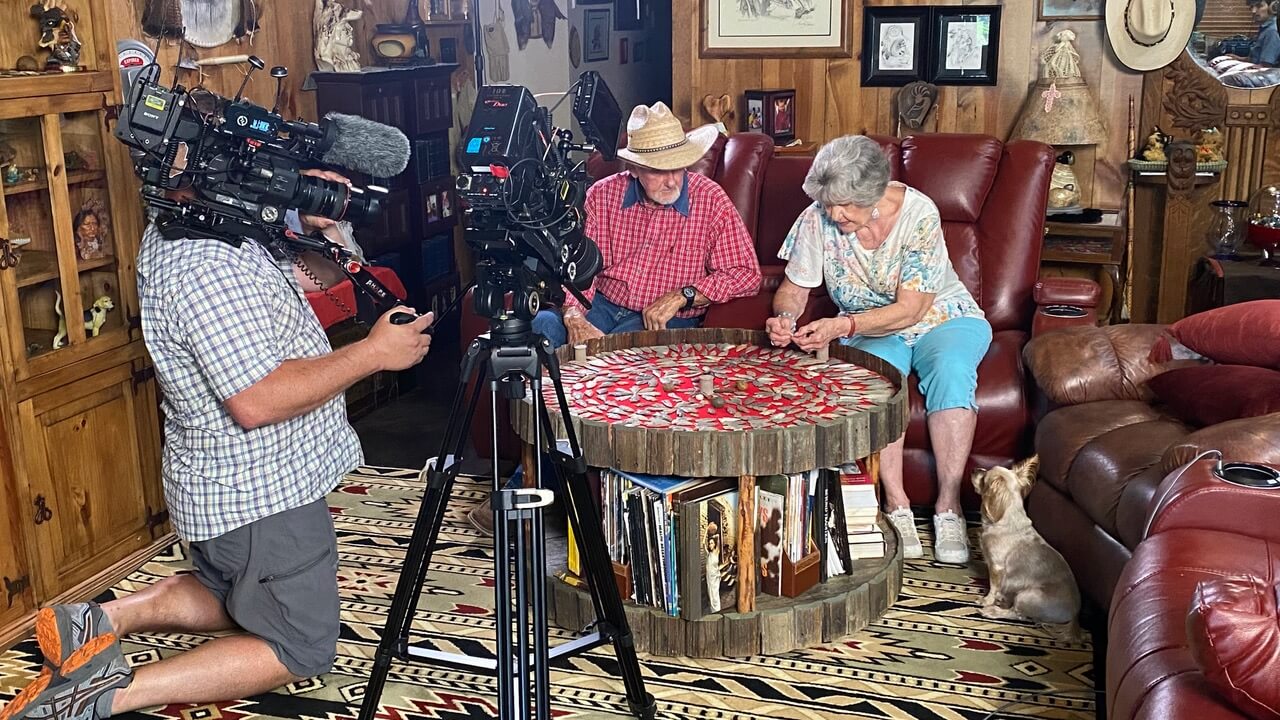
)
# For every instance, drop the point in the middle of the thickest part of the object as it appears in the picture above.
(831, 101)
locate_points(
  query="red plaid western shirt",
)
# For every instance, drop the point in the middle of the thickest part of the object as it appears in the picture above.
(650, 250)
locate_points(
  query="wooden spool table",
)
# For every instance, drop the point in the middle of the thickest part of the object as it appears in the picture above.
(711, 402)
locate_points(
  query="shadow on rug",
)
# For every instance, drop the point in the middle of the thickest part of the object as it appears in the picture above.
(931, 656)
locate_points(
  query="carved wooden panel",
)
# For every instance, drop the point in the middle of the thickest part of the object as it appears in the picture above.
(1246, 137)
(1192, 99)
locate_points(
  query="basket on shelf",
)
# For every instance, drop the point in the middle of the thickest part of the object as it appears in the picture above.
(1161, 165)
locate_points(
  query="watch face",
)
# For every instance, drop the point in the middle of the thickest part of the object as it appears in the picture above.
(689, 292)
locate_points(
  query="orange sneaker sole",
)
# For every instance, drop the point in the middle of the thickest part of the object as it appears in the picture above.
(29, 693)
(86, 652)
(48, 637)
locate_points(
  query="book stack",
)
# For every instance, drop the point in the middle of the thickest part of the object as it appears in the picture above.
(861, 513)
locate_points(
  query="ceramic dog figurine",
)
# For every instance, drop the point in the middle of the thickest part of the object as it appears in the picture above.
(94, 318)
(1029, 579)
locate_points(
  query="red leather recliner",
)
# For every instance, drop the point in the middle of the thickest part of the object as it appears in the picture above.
(991, 196)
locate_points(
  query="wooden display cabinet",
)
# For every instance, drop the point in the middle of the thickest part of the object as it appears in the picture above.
(80, 496)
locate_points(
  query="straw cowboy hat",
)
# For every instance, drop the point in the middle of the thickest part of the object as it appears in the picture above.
(657, 140)
(1149, 34)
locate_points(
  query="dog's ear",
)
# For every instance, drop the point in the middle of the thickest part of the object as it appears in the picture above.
(37, 10)
(977, 477)
(1026, 471)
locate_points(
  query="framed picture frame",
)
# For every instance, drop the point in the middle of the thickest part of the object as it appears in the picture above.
(623, 45)
(965, 49)
(595, 35)
(758, 29)
(772, 112)
(895, 45)
(1069, 9)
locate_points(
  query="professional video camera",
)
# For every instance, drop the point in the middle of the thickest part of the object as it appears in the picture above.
(229, 169)
(523, 195)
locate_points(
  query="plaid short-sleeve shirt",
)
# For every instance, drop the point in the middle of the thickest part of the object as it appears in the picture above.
(216, 320)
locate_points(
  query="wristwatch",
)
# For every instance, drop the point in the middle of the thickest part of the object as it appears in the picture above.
(690, 294)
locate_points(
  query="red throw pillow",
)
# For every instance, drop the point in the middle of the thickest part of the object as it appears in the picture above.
(1209, 394)
(1241, 334)
(1234, 633)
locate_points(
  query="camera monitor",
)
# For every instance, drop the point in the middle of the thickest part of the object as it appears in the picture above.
(598, 113)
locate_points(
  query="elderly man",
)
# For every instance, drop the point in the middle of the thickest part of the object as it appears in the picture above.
(672, 241)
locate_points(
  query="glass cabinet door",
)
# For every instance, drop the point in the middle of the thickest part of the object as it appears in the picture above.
(61, 281)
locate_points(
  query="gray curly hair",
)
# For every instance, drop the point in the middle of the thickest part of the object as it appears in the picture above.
(850, 170)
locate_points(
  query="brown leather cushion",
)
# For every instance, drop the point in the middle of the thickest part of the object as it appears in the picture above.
(1211, 394)
(1240, 334)
(1234, 634)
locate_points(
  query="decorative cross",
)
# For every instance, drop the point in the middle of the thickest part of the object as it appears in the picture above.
(1050, 95)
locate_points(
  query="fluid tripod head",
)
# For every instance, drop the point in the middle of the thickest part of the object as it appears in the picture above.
(522, 197)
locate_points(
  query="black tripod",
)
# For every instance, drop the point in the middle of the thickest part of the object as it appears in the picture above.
(509, 358)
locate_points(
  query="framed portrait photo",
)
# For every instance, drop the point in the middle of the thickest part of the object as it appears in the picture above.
(966, 45)
(595, 35)
(768, 28)
(895, 45)
(1069, 9)
(772, 112)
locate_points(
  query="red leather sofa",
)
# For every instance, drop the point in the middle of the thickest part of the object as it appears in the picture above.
(1203, 530)
(991, 196)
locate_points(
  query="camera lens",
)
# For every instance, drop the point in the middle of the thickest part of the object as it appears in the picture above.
(364, 207)
(583, 261)
(317, 196)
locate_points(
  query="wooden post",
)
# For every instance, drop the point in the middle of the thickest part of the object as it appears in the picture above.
(746, 543)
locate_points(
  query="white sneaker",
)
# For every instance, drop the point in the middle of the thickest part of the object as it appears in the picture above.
(950, 539)
(905, 523)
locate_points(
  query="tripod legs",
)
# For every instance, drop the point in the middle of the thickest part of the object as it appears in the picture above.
(518, 512)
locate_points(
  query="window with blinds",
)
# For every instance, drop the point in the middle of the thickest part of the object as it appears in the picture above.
(1224, 18)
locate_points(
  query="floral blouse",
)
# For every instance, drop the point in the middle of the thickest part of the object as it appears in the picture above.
(913, 257)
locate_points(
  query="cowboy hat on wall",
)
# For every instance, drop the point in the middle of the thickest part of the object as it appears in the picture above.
(1149, 34)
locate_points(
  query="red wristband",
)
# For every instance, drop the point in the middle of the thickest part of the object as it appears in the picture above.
(853, 327)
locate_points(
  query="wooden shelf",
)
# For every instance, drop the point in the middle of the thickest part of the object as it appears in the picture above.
(37, 266)
(78, 177)
(58, 83)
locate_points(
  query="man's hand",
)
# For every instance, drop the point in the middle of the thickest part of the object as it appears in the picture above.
(398, 347)
(316, 222)
(662, 310)
(781, 330)
(580, 329)
(820, 333)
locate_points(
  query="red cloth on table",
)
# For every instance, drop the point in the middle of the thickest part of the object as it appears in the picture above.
(326, 309)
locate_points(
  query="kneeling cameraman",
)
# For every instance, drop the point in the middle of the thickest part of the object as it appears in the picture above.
(256, 435)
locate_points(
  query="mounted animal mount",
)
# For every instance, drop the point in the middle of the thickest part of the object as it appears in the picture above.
(913, 104)
(58, 35)
(202, 23)
(720, 109)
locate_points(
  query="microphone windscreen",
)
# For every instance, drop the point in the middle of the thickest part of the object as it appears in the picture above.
(367, 146)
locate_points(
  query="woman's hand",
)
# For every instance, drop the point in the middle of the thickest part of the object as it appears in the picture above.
(781, 330)
(820, 333)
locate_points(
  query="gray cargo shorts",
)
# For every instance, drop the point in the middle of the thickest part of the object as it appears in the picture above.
(278, 578)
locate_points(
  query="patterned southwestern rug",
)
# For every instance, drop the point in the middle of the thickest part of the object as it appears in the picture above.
(931, 656)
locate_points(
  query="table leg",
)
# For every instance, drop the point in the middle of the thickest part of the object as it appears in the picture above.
(746, 543)
(1117, 293)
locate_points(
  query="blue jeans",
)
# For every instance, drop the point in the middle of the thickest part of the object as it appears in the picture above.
(945, 359)
(609, 317)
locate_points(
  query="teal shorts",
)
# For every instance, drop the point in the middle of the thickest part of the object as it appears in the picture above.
(945, 359)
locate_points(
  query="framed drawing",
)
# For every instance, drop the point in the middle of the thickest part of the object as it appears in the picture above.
(966, 45)
(1069, 9)
(760, 28)
(895, 45)
(595, 33)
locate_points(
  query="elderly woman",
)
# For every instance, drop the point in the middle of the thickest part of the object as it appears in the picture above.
(878, 247)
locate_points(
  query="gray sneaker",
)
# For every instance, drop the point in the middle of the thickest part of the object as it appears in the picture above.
(63, 629)
(905, 523)
(950, 539)
(82, 689)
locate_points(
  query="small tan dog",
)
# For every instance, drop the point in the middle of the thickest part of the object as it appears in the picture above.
(1029, 579)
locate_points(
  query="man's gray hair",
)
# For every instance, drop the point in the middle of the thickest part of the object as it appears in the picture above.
(850, 170)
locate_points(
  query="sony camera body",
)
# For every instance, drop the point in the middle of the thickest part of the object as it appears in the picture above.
(230, 169)
(523, 195)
